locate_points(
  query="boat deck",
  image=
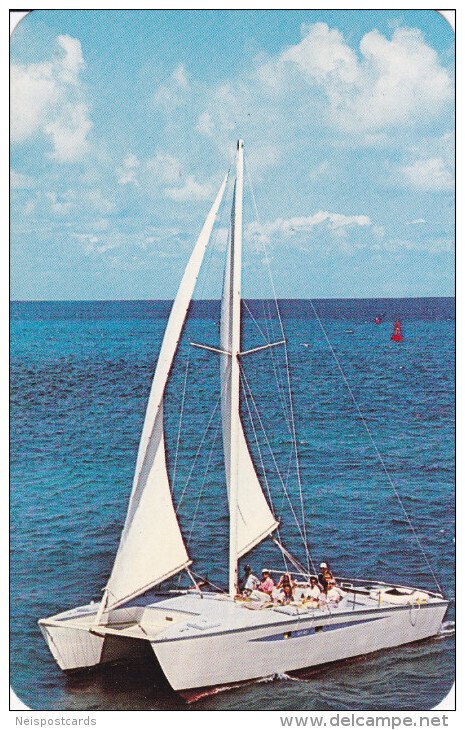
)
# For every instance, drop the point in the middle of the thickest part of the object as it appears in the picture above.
(189, 614)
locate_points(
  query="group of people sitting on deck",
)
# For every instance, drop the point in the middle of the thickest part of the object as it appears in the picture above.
(321, 590)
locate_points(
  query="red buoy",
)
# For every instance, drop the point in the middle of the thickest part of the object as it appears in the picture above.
(377, 320)
(397, 334)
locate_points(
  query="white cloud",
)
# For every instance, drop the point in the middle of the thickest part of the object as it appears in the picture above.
(163, 168)
(428, 174)
(319, 170)
(323, 54)
(190, 190)
(263, 156)
(287, 227)
(396, 81)
(49, 98)
(93, 244)
(72, 62)
(127, 171)
(173, 93)
(90, 200)
(205, 124)
(29, 207)
(98, 201)
(19, 181)
(364, 93)
(61, 204)
(180, 76)
(69, 132)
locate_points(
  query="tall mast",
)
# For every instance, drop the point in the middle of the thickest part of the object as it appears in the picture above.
(236, 265)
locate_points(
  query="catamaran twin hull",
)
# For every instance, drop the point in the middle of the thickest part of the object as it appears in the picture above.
(211, 640)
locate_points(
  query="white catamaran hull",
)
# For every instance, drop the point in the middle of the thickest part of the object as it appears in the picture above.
(238, 656)
(208, 642)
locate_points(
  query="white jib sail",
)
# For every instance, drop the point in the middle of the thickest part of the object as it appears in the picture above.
(152, 548)
(254, 519)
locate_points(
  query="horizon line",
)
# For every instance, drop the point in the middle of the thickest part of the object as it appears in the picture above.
(257, 299)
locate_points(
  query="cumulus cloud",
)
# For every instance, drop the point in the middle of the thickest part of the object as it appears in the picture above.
(161, 169)
(69, 132)
(164, 168)
(428, 174)
(48, 98)
(89, 200)
(396, 81)
(191, 190)
(19, 181)
(364, 92)
(286, 227)
(128, 170)
(173, 93)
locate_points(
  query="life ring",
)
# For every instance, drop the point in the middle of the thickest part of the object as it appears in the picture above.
(400, 596)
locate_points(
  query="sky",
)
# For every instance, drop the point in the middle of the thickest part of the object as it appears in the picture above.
(123, 124)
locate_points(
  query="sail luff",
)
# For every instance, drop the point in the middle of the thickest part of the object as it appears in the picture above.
(151, 546)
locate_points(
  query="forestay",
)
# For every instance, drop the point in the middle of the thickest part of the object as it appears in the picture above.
(152, 548)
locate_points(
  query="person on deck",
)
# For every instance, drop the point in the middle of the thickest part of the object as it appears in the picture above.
(324, 576)
(249, 582)
(334, 594)
(284, 591)
(313, 594)
(267, 584)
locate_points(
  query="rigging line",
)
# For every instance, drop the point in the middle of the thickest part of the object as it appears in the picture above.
(278, 378)
(207, 580)
(197, 453)
(261, 458)
(203, 481)
(255, 322)
(288, 471)
(286, 356)
(380, 458)
(276, 465)
(180, 422)
(218, 401)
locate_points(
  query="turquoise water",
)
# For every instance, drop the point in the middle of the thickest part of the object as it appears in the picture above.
(80, 377)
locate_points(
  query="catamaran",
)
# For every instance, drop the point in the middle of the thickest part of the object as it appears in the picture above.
(202, 637)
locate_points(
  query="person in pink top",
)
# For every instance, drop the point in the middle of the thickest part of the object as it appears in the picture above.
(267, 584)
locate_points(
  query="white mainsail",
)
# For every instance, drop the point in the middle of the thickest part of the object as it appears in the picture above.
(152, 548)
(250, 515)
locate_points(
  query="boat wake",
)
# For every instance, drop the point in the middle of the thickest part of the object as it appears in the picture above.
(279, 677)
(447, 629)
(191, 696)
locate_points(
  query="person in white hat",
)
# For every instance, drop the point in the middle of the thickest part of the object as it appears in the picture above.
(267, 584)
(324, 576)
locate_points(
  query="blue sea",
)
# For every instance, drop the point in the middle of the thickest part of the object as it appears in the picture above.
(80, 378)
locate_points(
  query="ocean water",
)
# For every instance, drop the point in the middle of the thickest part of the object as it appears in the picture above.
(80, 377)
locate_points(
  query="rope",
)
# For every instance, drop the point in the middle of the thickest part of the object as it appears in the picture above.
(378, 454)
